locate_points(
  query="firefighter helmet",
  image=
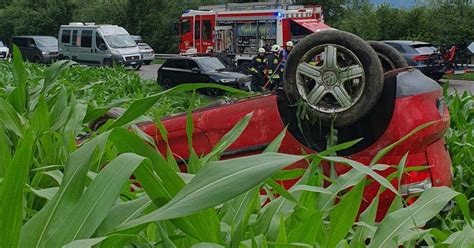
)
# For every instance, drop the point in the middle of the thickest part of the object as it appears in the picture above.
(261, 50)
(290, 44)
(275, 48)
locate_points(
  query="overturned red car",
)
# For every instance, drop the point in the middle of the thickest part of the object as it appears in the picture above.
(364, 90)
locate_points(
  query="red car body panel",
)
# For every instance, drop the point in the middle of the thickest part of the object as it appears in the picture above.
(425, 148)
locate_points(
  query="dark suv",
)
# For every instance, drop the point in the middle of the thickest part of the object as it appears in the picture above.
(37, 49)
(421, 55)
(203, 69)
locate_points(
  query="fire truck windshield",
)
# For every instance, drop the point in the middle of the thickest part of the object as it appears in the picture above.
(120, 41)
(210, 64)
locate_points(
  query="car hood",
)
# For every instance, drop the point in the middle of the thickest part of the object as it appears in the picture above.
(49, 49)
(226, 74)
(128, 50)
(4, 49)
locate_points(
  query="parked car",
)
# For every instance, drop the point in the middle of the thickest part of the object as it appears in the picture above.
(148, 55)
(201, 69)
(346, 88)
(421, 55)
(4, 51)
(37, 49)
(101, 45)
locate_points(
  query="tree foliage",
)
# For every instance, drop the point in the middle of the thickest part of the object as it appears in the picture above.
(438, 21)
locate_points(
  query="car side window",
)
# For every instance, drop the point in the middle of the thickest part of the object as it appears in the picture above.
(181, 64)
(170, 64)
(31, 43)
(398, 47)
(192, 64)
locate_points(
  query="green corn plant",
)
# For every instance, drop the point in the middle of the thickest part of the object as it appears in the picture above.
(55, 193)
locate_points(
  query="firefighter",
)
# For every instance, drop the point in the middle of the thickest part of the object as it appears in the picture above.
(275, 72)
(257, 68)
(285, 53)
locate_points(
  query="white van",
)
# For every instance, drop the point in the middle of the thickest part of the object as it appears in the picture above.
(4, 51)
(100, 45)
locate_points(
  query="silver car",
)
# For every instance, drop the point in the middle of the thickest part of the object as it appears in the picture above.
(147, 52)
(4, 51)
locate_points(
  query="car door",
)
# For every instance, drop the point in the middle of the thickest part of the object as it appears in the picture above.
(194, 76)
(85, 50)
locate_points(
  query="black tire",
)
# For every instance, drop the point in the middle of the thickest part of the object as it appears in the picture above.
(213, 92)
(112, 114)
(148, 62)
(373, 74)
(107, 63)
(37, 60)
(390, 58)
(166, 83)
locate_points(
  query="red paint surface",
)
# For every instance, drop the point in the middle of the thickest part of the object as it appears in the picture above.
(424, 148)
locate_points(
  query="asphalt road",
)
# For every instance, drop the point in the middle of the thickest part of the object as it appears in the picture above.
(149, 72)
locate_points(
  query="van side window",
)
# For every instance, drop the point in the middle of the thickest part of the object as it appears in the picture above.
(31, 43)
(86, 38)
(66, 36)
(20, 42)
(75, 40)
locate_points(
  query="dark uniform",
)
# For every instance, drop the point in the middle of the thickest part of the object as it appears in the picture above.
(275, 71)
(257, 68)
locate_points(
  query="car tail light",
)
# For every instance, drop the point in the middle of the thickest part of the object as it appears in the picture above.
(420, 57)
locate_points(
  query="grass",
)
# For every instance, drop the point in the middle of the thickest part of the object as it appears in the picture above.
(159, 61)
(466, 76)
(55, 193)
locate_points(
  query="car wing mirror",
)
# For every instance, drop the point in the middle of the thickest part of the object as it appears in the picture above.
(196, 70)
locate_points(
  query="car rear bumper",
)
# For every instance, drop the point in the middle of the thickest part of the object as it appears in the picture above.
(49, 59)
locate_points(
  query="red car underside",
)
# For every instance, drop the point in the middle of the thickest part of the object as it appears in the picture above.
(409, 100)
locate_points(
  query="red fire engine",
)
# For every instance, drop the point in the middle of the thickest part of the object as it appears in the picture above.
(241, 29)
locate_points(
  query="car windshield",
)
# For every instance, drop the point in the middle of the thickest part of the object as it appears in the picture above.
(424, 48)
(46, 42)
(211, 64)
(1, 44)
(120, 41)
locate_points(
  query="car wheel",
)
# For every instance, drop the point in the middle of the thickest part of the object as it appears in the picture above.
(148, 62)
(107, 63)
(212, 92)
(336, 74)
(389, 57)
(166, 83)
(112, 114)
(37, 60)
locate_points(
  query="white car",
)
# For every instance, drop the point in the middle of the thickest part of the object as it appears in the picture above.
(4, 51)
